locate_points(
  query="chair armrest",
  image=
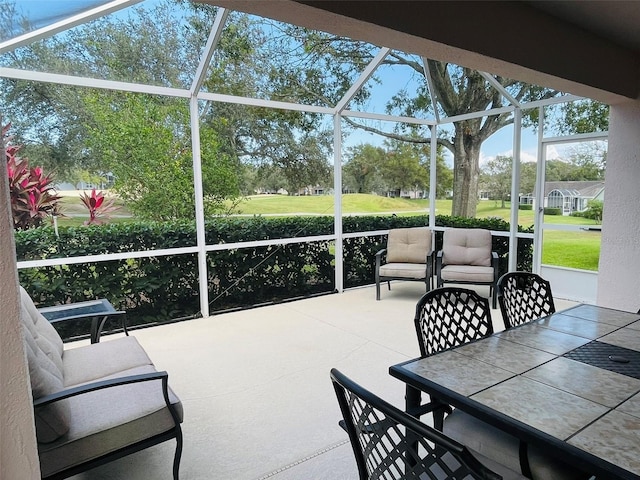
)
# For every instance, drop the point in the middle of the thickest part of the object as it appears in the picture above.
(438, 266)
(113, 382)
(379, 255)
(381, 252)
(494, 264)
(93, 386)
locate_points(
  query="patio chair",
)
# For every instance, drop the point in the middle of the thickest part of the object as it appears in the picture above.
(390, 444)
(449, 317)
(466, 258)
(524, 296)
(408, 256)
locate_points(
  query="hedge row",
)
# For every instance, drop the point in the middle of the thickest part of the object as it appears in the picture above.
(165, 288)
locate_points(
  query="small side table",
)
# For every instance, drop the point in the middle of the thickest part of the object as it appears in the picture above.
(99, 311)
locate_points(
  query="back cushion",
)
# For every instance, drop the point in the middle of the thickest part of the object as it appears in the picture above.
(466, 246)
(408, 245)
(47, 337)
(46, 377)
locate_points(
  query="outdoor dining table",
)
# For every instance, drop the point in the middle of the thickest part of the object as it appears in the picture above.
(568, 383)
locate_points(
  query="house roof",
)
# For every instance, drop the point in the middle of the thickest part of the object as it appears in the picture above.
(583, 188)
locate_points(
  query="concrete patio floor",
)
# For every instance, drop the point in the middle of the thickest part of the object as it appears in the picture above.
(255, 385)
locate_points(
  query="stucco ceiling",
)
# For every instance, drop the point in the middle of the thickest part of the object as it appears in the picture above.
(614, 20)
(589, 48)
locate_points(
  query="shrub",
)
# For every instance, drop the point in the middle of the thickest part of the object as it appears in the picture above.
(31, 191)
(594, 210)
(165, 288)
(552, 211)
(525, 207)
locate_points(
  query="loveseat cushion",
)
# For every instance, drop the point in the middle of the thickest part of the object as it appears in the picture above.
(98, 360)
(44, 333)
(109, 419)
(51, 421)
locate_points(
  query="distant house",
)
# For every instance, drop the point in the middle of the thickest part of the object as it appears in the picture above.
(568, 196)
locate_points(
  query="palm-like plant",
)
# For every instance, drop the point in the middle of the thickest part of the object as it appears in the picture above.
(33, 197)
(99, 206)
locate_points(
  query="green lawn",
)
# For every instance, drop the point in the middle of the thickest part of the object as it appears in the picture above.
(569, 249)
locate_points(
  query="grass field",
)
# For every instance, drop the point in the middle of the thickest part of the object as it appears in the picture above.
(569, 249)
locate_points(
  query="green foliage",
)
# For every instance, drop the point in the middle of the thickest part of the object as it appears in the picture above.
(496, 177)
(593, 211)
(31, 192)
(525, 207)
(146, 144)
(552, 211)
(165, 288)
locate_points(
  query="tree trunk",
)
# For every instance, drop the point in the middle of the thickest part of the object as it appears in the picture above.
(466, 169)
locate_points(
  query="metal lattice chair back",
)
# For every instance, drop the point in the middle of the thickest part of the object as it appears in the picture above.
(389, 444)
(524, 296)
(448, 317)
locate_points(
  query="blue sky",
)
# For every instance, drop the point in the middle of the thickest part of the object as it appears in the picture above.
(392, 80)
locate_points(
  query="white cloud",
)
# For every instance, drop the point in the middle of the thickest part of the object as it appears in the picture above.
(528, 157)
(552, 152)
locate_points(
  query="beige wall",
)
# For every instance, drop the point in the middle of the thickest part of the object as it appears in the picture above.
(619, 276)
(18, 454)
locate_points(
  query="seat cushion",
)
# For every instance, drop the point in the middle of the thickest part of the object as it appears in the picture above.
(99, 360)
(490, 442)
(404, 270)
(467, 273)
(408, 245)
(109, 419)
(466, 246)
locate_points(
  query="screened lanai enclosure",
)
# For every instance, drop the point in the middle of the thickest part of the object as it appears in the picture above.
(197, 112)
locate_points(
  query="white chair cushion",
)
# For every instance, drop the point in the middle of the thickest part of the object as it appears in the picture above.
(52, 421)
(105, 358)
(503, 448)
(109, 419)
(466, 246)
(466, 273)
(404, 270)
(408, 245)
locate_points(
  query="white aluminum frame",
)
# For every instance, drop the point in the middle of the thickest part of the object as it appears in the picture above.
(195, 95)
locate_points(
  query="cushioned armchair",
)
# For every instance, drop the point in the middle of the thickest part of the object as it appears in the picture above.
(408, 256)
(466, 257)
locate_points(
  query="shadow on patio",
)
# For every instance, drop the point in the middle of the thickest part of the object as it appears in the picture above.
(255, 384)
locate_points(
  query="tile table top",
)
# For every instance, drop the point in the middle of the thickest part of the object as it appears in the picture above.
(542, 380)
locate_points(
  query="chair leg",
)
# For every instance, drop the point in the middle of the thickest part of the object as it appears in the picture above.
(389, 285)
(377, 289)
(178, 455)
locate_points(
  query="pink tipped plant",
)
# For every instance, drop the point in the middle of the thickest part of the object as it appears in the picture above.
(33, 197)
(99, 206)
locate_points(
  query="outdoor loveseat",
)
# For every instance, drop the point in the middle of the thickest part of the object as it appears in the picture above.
(95, 403)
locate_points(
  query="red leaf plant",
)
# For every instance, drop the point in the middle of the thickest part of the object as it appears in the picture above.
(33, 197)
(99, 206)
